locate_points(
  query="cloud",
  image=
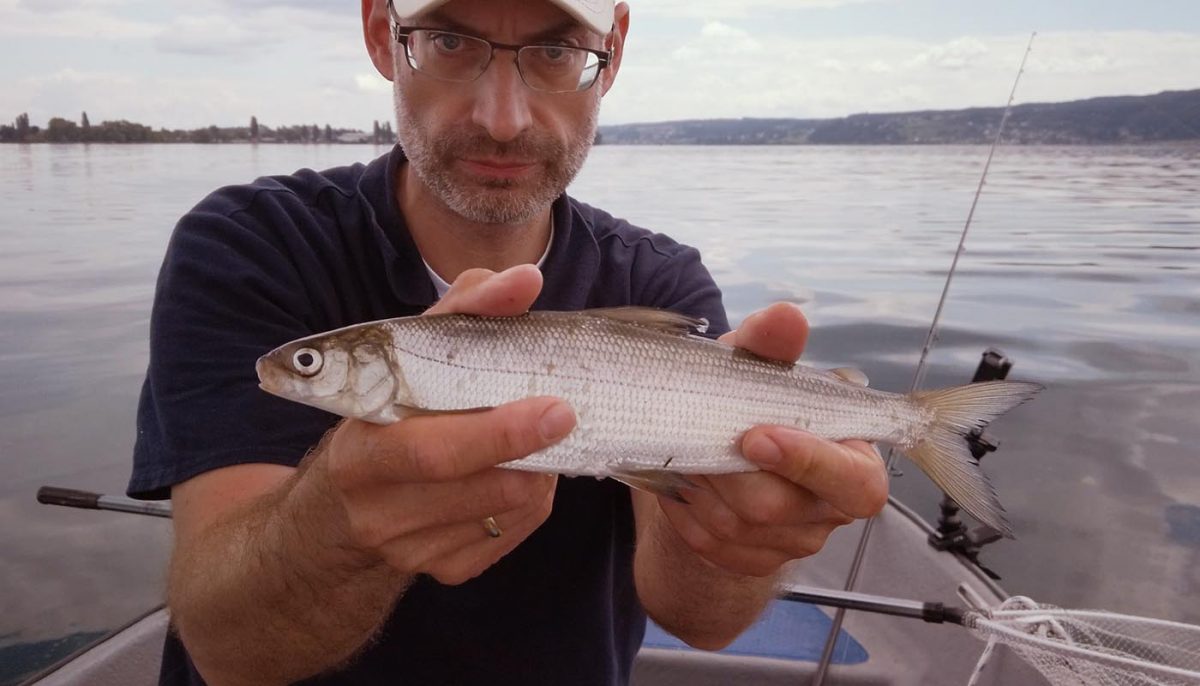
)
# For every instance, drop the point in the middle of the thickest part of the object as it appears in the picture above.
(221, 33)
(106, 95)
(960, 53)
(723, 9)
(717, 38)
(214, 35)
(783, 77)
(195, 101)
(321, 6)
(54, 6)
(88, 19)
(372, 83)
(221, 61)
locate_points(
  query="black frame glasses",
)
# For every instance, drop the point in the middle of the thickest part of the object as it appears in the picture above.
(525, 53)
(586, 78)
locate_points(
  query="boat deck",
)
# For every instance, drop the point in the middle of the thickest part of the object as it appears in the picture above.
(783, 647)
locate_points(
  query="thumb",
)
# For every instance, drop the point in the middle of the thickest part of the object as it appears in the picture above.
(484, 292)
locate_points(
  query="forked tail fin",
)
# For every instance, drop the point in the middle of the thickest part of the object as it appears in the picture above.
(943, 453)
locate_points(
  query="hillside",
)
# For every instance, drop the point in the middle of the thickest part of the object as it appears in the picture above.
(1168, 116)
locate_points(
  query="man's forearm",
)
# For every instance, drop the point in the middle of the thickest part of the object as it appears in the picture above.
(271, 593)
(704, 605)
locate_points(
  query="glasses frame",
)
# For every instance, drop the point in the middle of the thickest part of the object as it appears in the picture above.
(402, 33)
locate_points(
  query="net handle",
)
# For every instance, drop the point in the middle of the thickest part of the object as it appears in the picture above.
(1100, 614)
(1012, 636)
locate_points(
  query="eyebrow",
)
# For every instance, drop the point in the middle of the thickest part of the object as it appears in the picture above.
(567, 28)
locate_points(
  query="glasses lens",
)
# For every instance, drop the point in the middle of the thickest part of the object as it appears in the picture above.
(558, 68)
(449, 56)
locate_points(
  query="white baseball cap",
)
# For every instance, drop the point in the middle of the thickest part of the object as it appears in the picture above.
(597, 15)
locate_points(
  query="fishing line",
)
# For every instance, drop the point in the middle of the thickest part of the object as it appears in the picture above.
(919, 375)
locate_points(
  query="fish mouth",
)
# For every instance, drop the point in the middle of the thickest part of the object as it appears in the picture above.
(269, 374)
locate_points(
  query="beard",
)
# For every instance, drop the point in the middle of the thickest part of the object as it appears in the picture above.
(433, 155)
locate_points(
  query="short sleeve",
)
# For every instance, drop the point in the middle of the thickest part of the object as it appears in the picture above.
(230, 289)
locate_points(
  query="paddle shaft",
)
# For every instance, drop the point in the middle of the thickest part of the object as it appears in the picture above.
(69, 497)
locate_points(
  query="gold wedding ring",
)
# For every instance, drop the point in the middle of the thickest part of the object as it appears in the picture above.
(492, 528)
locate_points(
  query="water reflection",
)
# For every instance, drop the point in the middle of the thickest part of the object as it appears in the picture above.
(1081, 267)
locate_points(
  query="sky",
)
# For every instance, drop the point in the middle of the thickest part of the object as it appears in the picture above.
(176, 64)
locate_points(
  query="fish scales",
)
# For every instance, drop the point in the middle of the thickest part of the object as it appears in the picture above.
(648, 397)
(643, 398)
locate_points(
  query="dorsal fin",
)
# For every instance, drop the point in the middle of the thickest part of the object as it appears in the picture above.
(665, 321)
(852, 375)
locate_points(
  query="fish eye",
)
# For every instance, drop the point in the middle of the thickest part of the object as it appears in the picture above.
(307, 361)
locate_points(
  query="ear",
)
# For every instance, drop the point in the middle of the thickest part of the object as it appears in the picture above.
(616, 43)
(377, 33)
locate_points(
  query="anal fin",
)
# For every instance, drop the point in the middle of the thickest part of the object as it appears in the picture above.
(406, 411)
(657, 481)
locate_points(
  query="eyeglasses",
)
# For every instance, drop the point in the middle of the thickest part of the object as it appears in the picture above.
(457, 57)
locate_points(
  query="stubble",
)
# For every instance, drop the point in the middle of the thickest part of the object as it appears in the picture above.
(433, 155)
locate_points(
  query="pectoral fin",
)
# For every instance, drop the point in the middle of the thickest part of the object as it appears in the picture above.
(851, 375)
(656, 481)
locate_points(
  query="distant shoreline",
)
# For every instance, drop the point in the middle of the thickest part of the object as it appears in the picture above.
(1172, 116)
(652, 144)
(60, 130)
(1168, 117)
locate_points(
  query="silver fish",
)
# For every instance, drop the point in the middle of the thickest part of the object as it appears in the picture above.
(652, 400)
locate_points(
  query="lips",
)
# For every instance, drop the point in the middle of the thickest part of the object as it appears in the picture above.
(499, 167)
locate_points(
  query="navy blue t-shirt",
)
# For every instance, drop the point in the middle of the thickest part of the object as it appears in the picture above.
(254, 266)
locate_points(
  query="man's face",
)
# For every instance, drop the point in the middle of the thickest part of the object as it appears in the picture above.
(494, 150)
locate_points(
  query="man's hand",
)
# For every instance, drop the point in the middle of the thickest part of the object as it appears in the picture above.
(321, 553)
(416, 492)
(753, 523)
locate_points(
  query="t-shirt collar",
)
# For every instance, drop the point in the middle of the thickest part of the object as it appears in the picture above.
(442, 287)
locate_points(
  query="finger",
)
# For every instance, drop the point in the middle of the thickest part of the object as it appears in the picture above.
(750, 561)
(481, 291)
(451, 446)
(765, 499)
(467, 562)
(793, 540)
(415, 553)
(386, 512)
(779, 333)
(850, 476)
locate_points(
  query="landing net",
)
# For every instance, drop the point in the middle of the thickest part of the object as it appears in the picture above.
(1090, 648)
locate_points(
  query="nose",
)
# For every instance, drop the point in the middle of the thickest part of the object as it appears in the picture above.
(502, 102)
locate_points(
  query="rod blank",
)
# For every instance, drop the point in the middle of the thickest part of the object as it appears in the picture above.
(936, 613)
(70, 497)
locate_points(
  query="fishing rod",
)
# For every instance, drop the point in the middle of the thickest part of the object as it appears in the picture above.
(928, 611)
(70, 497)
(919, 375)
(1062, 645)
(933, 612)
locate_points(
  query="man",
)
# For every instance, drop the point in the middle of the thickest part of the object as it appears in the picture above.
(401, 554)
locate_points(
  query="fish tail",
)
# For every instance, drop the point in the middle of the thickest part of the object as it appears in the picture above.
(944, 454)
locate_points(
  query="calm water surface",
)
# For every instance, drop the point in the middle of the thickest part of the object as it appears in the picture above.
(1083, 266)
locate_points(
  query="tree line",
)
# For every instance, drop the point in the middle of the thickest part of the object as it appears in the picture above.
(61, 130)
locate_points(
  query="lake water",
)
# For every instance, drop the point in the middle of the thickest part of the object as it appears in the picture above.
(1083, 266)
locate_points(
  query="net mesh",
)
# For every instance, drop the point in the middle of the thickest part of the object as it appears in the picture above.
(1092, 648)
